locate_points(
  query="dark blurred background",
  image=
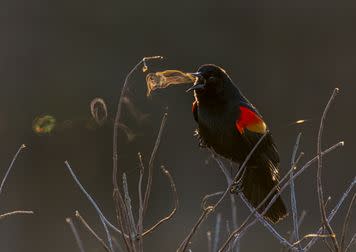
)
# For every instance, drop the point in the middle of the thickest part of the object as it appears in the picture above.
(56, 56)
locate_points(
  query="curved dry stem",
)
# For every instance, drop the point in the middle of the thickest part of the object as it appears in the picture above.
(210, 209)
(324, 218)
(292, 193)
(309, 236)
(92, 201)
(16, 212)
(184, 245)
(276, 195)
(10, 166)
(175, 204)
(118, 116)
(87, 226)
(76, 235)
(351, 243)
(150, 164)
(332, 213)
(346, 223)
(117, 196)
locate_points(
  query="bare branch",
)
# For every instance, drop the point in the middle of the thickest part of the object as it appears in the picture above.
(175, 203)
(309, 236)
(118, 116)
(204, 201)
(332, 213)
(292, 193)
(351, 243)
(10, 166)
(150, 164)
(346, 223)
(184, 245)
(17, 212)
(217, 232)
(131, 221)
(208, 236)
(210, 209)
(96, 207)
(87, 226)
(324, 218)
(140, 199)
(276, 195)
(76, 235)
(292, 234)
(118, 200)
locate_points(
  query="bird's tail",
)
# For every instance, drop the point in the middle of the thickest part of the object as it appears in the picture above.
(258, 181)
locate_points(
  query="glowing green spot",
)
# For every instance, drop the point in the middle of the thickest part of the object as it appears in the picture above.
(43, 124)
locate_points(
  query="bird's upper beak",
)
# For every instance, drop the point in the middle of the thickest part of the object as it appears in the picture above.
(199, 82)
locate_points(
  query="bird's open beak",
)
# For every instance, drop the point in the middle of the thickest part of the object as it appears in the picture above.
(198, 84)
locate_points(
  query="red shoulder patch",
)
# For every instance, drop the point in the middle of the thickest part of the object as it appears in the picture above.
(251, 121)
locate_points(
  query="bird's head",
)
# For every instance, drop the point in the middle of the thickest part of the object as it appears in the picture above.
(210, 79)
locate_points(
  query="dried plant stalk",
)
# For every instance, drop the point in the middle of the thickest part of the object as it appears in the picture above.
(76, 235)
(89, 228)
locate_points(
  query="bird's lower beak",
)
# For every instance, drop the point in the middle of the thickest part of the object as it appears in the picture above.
(196, 87)
(198, 84)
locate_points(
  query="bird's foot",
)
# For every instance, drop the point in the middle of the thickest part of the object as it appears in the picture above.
(236, 187)
(202, 143)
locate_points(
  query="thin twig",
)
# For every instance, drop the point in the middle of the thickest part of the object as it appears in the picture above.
(117, 196)
(92, 201)
(234, 220)
(175, 203)
(327, 201)
(205, 199)
(118, 116)
(17, 212)
(132, 225)
(332, 213)
(150, 164)
(217, 232)
(87, 226)
(140, 199)
(76, 235)
(10, 166)
(309, 236)
(346, 223)
(292, 193)
(140, 202)
(210, 209)
(208, 236)
(292, 234)
(351, 243)
(324, 218)
(258, 216)
(228, 230)
(276, 194)
(184, 245)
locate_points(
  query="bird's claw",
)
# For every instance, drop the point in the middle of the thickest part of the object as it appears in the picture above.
(202, 143)
(236, 187)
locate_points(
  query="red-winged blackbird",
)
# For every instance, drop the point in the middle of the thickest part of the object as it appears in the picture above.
(231, 126)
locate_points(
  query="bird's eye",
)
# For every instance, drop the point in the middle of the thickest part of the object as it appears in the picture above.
(212, 79)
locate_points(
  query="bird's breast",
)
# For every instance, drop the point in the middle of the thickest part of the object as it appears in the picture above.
(217, 129)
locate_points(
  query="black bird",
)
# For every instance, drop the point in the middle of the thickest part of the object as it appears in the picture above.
(230, 125)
